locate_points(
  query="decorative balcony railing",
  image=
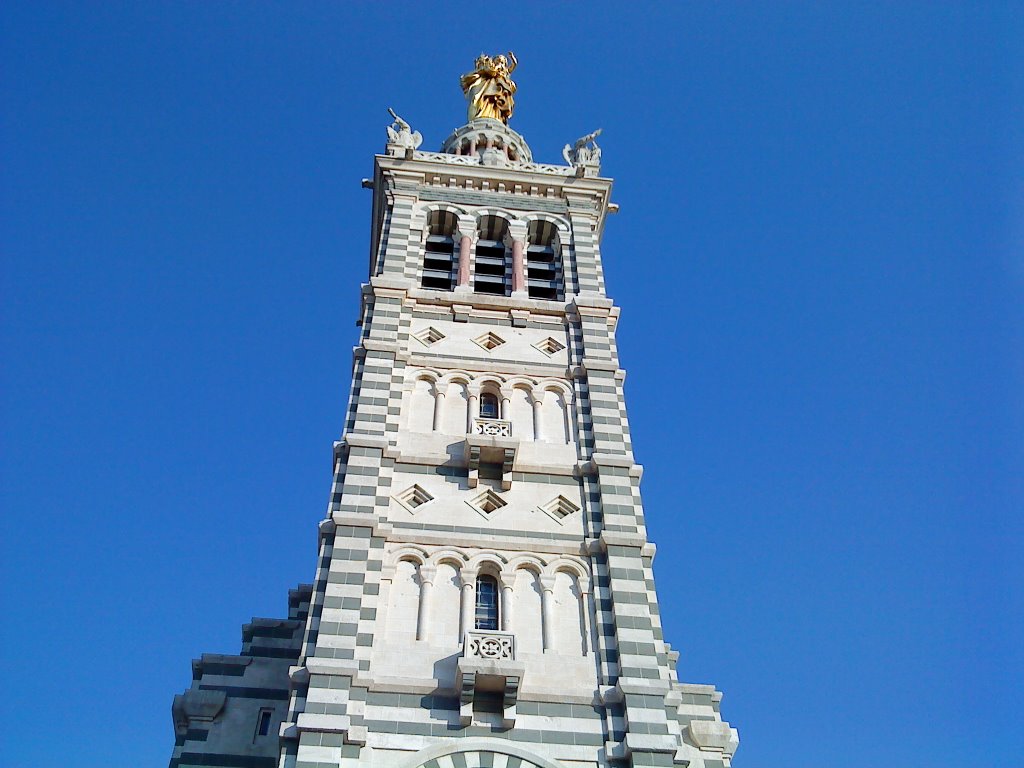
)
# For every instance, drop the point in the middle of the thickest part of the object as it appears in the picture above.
(492, 427)
(490, 645)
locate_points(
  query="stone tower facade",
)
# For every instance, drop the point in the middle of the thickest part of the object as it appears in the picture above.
(484, 595)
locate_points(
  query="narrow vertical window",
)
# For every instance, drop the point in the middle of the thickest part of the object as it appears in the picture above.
(543, 262)
(439, 261)
(263, 723)
(486, 603)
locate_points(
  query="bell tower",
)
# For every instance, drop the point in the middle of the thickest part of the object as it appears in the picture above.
(484, 596)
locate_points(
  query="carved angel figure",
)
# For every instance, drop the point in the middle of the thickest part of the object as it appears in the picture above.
(489, 88)
(399, 133)
(580, 153)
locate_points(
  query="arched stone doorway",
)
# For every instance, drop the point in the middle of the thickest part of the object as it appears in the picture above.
(479, 753)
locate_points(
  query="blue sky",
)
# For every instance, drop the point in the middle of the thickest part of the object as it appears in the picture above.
(820, 263)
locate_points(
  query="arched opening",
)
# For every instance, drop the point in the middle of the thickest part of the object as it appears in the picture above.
(491, 269)
(476, 753)
(569, 630)
(486, 616)
(439, 263)
(403, 602)
(543, 261)
(489, 406)
(455, 412)
(444, 606)
(526, 616)
(421, 406)
(555, 417)
(521, 413)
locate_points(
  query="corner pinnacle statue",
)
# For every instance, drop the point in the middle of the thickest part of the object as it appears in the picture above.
(489, 88)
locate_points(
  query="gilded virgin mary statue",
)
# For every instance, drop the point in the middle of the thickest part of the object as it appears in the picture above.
(489, 87)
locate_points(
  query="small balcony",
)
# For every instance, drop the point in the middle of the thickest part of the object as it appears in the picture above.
(492, 427)
(488, 676)
(490, 644)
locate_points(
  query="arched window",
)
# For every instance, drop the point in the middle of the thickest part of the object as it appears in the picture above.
(489, 406)
(491, 271)
(439, 262)
(543, 262)
(486, 603)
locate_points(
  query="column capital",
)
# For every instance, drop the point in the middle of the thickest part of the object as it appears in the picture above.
(517, 230)
(465, 226)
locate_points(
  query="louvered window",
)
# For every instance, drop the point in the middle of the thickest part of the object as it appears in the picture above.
(440, 263)
(492, 261)
(543, 262)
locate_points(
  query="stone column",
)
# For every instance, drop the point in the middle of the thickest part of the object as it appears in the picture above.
(538, 403)
(508, 583)
(427, 575)
(465, 232)
(468, 607)
(506, 406)
(518, 267)
(438, 409)
(547, 602)
(584, 607)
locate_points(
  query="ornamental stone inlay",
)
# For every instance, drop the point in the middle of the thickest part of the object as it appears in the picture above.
(492, 427)
(490, 645)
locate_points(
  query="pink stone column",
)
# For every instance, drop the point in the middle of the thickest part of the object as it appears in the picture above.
(518, 268)
(465, 245)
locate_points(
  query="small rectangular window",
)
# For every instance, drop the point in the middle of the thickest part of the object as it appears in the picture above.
(263, 724)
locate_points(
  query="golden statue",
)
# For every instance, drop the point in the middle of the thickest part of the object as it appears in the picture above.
(489, 88)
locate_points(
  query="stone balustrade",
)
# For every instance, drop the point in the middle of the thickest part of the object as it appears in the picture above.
(490, 645)
(492, 427)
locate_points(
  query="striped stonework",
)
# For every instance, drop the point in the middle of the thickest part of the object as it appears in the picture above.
(485, 482)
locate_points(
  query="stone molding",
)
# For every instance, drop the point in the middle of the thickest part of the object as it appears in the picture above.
(537, 369)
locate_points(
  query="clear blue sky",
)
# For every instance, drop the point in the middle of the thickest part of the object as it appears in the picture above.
(826, 390)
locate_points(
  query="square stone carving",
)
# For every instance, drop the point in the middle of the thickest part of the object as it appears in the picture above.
(559, 508)
(489, 340)
(487, 503)
(549, 346)
(428, 336)
(413, 497)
